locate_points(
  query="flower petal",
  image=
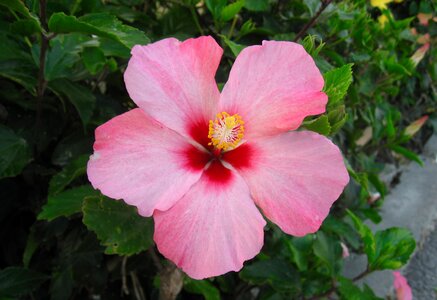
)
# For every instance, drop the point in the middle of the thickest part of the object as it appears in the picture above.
(402, 288)
(293, 177)
(174, 81)
(273, 87)
(137, 159)
(213, 229)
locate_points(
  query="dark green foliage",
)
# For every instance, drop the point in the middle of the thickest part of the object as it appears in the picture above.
(15, 281)
(61, 76)
(66, 203)
(14, 152)
(101, 24)
(117, 225)
(349, 291)
(275, 272)
(202, 287)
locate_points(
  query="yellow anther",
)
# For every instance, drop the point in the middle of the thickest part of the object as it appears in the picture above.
(226, 131)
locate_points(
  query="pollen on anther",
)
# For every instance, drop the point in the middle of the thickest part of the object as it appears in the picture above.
(226, 131)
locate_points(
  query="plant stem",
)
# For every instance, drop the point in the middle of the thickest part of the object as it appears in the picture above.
(172, 281)
(311, 22)
(196, 19)
(124, 288)
(231, 31)
(361, 275)
(155, 259)
(42, 83)
(138, 289)
(42, 60)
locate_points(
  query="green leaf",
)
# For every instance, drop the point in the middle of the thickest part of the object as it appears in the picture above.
(71, 146)
(118, 226)
(66, 203)
(343, 230)
(407, 153)
(309, 43)
(337, 118)
(377, 183)
(202, 287)
(390, 128)
(300, 247)
(231, 10)
(100, 24)
(25, 27)
(235, 48)
(60, 60)
(94, 59)
(365, 234)
(278, 273)
(81, 97)
(394, 247)
(15, 153)
(337, 82)
(62, 283)
(19, 7)
(17, 64)
(349, 291)
(328, 250)
(73, 170)
(257, 5)
(16, 281)
(320, 125)
(215, 7)
(247, 28)
(31, 245)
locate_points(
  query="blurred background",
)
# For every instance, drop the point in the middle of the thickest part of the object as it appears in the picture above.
(61, 76)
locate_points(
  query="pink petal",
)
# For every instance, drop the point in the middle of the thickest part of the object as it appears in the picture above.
(174, 81)
(293, 177)
(273, 87)
(137, 159)
(403, 289)
(213, 229)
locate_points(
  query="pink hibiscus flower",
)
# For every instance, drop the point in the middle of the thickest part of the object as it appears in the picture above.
(200, 162)
(403, 290)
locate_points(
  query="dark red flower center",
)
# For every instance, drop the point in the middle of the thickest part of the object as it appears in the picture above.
(212, 157)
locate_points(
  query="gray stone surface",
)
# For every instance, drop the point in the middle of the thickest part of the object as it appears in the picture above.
(422, 270)
(411, 204)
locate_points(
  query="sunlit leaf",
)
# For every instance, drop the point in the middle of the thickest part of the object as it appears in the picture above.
(229, 11)
(394, 247)
(320, 125)
(337, 83)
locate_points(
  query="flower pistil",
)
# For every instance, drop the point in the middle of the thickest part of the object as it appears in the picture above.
(226, 131)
